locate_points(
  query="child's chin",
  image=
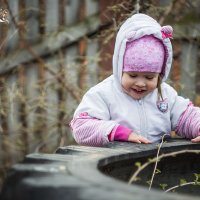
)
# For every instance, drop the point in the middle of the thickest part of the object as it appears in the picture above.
(137, 96)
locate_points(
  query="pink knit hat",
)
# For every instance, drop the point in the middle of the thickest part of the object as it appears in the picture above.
(146, 54)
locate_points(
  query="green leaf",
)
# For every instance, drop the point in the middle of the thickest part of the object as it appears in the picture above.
(158, 171)
(197, 177)
(163, 185)
(182, 181)
(148, 182)
(138, 164)
(137, 179)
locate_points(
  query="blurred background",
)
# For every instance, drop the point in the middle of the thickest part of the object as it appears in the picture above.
(53, 51)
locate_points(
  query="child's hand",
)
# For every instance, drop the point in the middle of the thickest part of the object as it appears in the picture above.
(133, 137)
(196, 139)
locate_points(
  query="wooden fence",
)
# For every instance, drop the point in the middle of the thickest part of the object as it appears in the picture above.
(48, 60)
(49, 56)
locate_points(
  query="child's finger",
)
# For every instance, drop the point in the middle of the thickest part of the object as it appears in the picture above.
(137, 141)
(144, 140)
(197, 139)
(133, 138)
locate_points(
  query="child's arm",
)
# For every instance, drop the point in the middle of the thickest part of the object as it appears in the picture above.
(88, 131)
(189, 123)
(91, 131)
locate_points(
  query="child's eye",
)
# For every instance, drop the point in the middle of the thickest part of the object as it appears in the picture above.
(132, 75)
(150, 77)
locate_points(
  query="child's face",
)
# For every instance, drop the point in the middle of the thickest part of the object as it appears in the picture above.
(139, 84)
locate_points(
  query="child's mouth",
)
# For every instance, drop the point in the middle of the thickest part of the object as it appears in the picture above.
(138, 91)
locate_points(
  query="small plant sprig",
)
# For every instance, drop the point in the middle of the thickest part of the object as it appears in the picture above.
(157, 159)
(141, 167)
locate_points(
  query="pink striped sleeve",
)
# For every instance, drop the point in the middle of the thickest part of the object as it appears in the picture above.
(189, 123)
(91, 131)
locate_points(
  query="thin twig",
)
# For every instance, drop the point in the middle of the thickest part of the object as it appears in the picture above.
(155, 167)
(181, 185)
(8, 38)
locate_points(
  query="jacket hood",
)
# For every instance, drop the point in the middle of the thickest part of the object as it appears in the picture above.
(133, 28)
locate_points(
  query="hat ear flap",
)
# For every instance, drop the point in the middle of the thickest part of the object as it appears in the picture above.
(167, 32)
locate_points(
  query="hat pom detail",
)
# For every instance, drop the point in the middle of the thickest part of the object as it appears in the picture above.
(167, 32)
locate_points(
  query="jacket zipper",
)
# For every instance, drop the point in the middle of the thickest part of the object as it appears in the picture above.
(143, 119)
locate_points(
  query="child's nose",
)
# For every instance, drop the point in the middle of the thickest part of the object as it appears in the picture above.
(140, 83)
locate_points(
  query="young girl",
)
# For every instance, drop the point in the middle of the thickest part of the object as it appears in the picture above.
(135, 104)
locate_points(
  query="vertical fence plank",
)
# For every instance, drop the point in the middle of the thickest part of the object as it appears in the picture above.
(14, 125)
(71, 77)
(82, 46)
(92, 63)
(188, 68)
(39, 113)
(33, 18)
(92, 7)
(92, 55)
(61, 99)
(40, 127)
(61, 75)
(32, 104)
(51, 96)
(52, 16)
(71, 66)
(32, 14)
(71, 11)
(52, 25)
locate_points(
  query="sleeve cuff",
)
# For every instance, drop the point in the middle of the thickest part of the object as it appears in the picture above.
(119, 133)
